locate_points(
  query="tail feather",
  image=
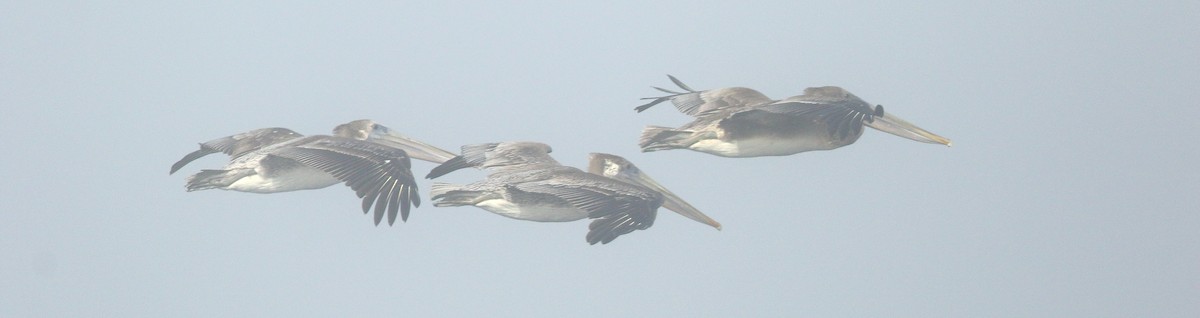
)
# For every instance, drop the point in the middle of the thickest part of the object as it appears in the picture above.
(655, 138)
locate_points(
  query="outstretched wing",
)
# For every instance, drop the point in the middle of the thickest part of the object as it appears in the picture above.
(239, 144)
(707, 102)
(380, 175)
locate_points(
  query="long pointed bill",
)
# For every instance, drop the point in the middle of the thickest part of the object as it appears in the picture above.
(415, 149)
(670, 200)
(896, 126)
(673, 203)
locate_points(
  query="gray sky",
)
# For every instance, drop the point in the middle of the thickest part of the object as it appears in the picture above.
(1071, 190)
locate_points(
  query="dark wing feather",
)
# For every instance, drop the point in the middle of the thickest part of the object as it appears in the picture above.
(454, 164)
(378, 174)
(671, 97)
(844, 118)
(606, 229)
(204, 151)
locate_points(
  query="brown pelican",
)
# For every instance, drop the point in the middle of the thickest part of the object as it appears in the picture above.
(741, 122)
(525, 183)
(370, 158)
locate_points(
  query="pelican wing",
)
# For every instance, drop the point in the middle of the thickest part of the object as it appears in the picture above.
(707, 102)
(378, 174)
(842, 122)
(840, 110)
(619, 208)
(454, 164)
(874, 118)
(238, 145)
(607, 229)
(497, 157)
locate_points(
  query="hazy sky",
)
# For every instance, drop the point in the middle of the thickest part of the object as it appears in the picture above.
(1071, 189)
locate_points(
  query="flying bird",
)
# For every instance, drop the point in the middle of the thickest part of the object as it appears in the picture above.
(370, 158)
(525, 183)
(741, 122)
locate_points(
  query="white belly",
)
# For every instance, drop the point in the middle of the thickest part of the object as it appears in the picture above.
(757, 147)
(533, 212)
(300, 178)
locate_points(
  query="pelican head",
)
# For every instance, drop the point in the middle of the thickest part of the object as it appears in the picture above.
(616, 167)
(886, 122)
(366, 129)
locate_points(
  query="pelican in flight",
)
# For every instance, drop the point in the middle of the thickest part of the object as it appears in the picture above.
(525, 183)
(741, 122)
(370, 158)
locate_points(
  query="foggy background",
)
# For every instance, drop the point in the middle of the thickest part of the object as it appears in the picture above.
(1071, 189)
